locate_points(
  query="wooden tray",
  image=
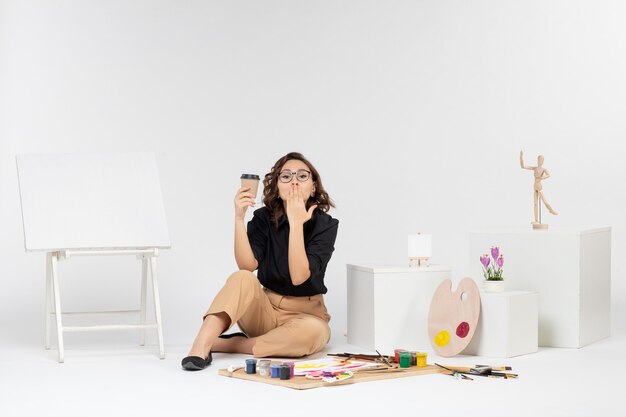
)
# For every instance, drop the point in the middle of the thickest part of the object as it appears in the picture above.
(301, 383)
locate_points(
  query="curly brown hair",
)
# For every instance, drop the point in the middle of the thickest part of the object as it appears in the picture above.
(271, 198)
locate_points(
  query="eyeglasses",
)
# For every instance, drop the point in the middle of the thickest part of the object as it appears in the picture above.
(302, 175)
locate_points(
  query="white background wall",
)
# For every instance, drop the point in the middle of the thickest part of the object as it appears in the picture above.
(413, 111)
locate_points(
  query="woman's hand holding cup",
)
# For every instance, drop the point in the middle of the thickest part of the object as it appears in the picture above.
(246, 194)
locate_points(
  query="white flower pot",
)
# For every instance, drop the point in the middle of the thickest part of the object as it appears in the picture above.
(493, 286)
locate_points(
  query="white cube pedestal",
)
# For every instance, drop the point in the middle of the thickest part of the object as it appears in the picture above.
(571, 271)
(508, 325)
(388, 306)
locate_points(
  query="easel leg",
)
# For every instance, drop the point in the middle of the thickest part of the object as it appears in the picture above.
(48, 298)
(157, 305)
(57, 305)
(144, 289)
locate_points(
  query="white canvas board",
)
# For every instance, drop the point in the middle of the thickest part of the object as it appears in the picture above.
(91, 201)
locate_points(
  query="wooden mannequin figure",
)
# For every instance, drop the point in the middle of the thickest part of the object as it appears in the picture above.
(540, 174)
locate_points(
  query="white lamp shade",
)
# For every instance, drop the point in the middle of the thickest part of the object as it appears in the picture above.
(419, 246)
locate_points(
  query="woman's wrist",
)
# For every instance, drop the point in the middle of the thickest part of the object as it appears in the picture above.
(294, 223)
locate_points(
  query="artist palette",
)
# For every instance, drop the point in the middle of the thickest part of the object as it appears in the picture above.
(453, 317)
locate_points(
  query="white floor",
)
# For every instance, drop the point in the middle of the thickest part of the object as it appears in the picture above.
(128, 380)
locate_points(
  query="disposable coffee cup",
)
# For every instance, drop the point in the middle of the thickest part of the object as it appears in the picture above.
(252, 181)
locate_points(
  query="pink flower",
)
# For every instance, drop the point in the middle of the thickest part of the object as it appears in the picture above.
(485, 260)
(492, 266)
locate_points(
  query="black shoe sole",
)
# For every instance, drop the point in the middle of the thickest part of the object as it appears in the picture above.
(228, 336)
(190, 366)
(196, 363)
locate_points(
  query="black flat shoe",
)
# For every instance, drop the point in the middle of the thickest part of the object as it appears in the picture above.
(228, 336)
(196, 363)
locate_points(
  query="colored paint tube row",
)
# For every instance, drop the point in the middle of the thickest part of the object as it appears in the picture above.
(406, 358)
(283, 370)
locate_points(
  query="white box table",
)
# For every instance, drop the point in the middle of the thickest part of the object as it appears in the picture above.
(571, 271)
(508, 325)
(388, 306)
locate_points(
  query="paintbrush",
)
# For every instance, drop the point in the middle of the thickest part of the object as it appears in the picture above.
(358, 356)
(496, 367)
(383, 370)
(503, 375)
(468, 368)
(384, 359)
(455, 374)
(479, 369)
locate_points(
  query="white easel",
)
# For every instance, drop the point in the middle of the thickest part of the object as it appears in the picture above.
(147, 257)
(93, 205)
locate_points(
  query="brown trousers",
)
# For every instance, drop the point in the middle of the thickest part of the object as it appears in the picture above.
(284, 326)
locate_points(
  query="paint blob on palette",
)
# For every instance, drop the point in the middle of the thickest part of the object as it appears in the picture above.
(453, 317)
